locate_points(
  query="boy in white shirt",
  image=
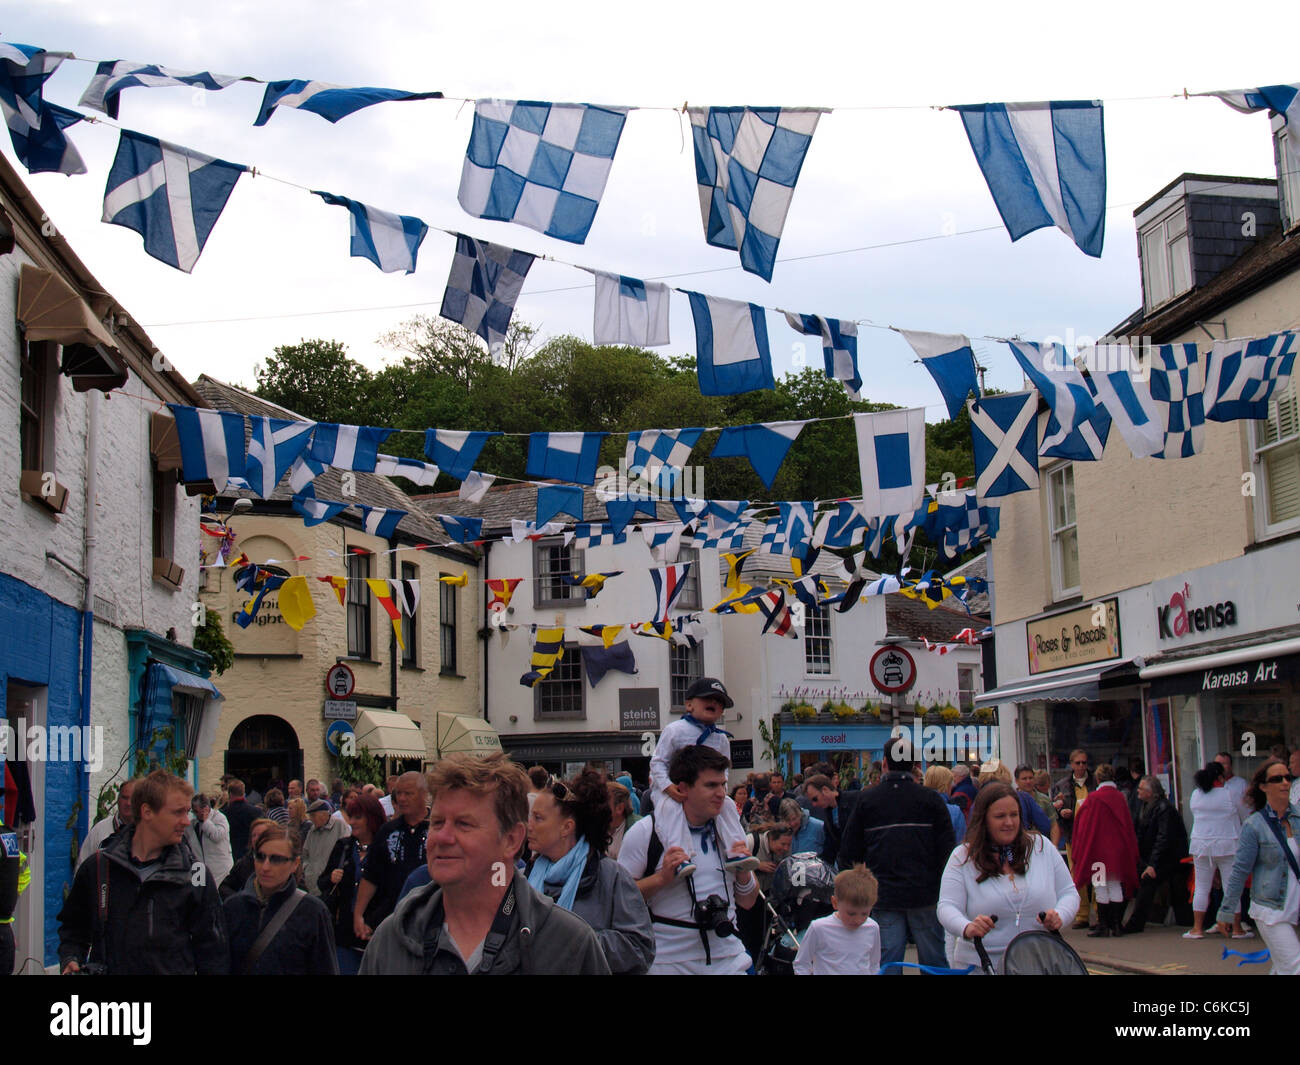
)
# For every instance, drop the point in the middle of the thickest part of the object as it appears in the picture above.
(706, 699)
(847, 943)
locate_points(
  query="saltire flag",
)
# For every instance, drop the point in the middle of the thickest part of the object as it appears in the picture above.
(1178, 390)
(540, 165)
(340, 586)
(659, 630)
(1127, 398)
(390, 241)
(780, 620)
(598, 661)
(658, 455)
(621, 511)
(295, 602)
(170, 195)
(455, 451)
(564, 457)
(331, 102)
(548, 649)
(212, 444)
(1004, 436)
(844, 526)
(553, 499)
(1085, 443)
(1045, 164)
(502, 588)
(891, 460)
(790, 531)
(606, 633)
(689, 510)
(273, 447)
(304, 470)
(475, 485)
(1058, 381)
(1241, 376)
(747, 160)
(348, 447)
(765, 444)
(668, 584)
(35, 125)
(421, 473)
(460, 582)
(951, 362)
(731, 349)
(1285, 100)
(315, 511)
(839, 345)
(264, 583)
(111, 78)
(593, 582)
(383, 591)
(594, 534)
(380, 521)
(629, 311)
(484, 283)
(462, 530)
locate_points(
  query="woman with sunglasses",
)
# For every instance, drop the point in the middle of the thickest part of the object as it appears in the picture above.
(1268, 851)
(568, 833)
(276, 928)
(343, 872)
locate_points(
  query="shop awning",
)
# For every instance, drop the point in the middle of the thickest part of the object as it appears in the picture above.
(1224, 670)
(195, 722)
(463, 733)
(1080, 685)
(387, 734)
(50, 309)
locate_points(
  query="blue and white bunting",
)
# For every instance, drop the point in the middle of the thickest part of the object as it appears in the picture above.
(170, 195)
(731, 348)
(659, 455)
(540, 165)
(273, 447)
(594, 534)
(484, 283)
(415, 471)
(951, 362)
(977, 522)
(747, 160)
(629, 311)
(1285, 100)
(1126, 397)
(475, 485)
(790, 531)
(891, 460)
(113, 77)
(727, 537)
(348, 447)
(1004, 434)
(1086, 442)
(380, 521)
(331, 102)
(1178, 391)
(303, 472)
(1241, 376)
(1045, 164)
(621, 511)
(553, 499)
(390, 241)
(35, 125)
(665, 541)
(568, 457)
(839, 346)
(1054, 374)
(462, 530)
(843, 527)
(455, 451)
(212, 444)
(765, 444)
(315, 511)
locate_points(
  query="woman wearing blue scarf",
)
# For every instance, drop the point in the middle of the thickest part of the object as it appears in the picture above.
(568, 832)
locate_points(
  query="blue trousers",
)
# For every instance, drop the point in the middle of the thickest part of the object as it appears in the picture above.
(921, 925)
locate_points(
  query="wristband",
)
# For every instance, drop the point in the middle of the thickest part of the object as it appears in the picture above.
(753, 886)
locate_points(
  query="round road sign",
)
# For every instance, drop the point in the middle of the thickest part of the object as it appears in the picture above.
(340, 682)
(893, 670)
(334, 735)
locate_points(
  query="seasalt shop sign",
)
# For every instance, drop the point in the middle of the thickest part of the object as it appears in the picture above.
(1076, 638)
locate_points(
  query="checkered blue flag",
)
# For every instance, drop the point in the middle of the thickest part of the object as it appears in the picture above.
(658, 455)
(1178, 390)
(789, 532)
(728, 538)
(541, 165)
(595, 534)
(484, 283)
(1241, 376)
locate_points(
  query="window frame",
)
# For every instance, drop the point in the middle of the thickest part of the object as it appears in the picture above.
(820, 613)
(966, 696)
(447, 628)
(34, 358)
(572, 665)
(690, 597)
(410, 654)
(547, 582)
(1261, 452)
(359, 606)
(1178, 212)
(1054, 533)
(694, 668)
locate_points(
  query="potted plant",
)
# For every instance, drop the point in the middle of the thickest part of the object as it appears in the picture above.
(842, 711)
(984, 713)
(949, 713)
(805, 711)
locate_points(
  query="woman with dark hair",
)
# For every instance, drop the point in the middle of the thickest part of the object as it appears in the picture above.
(275, 807)
(1216, 824)
(1269, 853)
(568, 833)
(338, 883)
(1162, 846)
(1001, 871)
(243, 869)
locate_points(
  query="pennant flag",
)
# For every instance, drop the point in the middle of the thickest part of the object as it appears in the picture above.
(1127, 399)
(843, 527)
(348, 447)
(668, 584)
(265, 584)
(383, 591)
(475, 485)
(1054, 374)
(765, 445)
(380, 521)
(340, 586)
(747, 161)
(484, 283)
(502, 588)
(460, 582)
(891, 460)
(607, 633)
(1004, 434)
(839, 345)
(592, 534)
(455, 451)
(390, 241)
(951, 362)
(421, 473)
(113, 77)
(36, 126)
(780, 621)
(1241, 376)
(315, 511)
(407, 595)
(296, 605)
(1178, 389)
(593, 582)
(564, 457)
(553, 499)
(462, 530)
(600, 660)
(527, 530)
(628, 311)
(789, 532)
(1045, 164)
(331, 102)
(731, 350)
(744, 600)
(658, 455)
(170, 195)
(212, 444)
(810, 590)
(303, 472)
(548, 649)
(274, 446)
(1284, 99)
(540, 165)
(620, 512)
(885, 585)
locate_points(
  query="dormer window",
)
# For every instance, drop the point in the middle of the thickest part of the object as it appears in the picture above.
(1166, 258)
(1286, 149)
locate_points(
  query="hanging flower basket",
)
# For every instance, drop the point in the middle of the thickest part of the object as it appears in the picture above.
(805, 711)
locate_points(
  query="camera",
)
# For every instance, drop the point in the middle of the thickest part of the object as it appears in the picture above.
(92, 968)
(711, 915)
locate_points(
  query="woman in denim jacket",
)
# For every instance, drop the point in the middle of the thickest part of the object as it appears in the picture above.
(1269, 852)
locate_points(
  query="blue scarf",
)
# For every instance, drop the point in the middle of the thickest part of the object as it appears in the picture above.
(567, 871)
(706, 730)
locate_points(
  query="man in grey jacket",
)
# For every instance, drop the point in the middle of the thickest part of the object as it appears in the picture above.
(319, 844)
(480, 916)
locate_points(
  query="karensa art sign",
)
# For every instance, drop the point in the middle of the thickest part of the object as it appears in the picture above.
(1190, 609)
(1077, 637)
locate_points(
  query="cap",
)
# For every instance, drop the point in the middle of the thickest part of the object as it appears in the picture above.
(320, 806)
(709, 687)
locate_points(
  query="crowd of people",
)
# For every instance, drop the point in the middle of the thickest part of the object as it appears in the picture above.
(482, 867)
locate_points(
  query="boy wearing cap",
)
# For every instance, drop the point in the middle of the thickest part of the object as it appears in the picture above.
(706, 699)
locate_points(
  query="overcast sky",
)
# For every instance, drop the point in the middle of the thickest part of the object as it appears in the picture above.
(883, 168)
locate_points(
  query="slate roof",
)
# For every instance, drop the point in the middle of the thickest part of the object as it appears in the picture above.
(976, 567)
(911, 617)
(505, 502)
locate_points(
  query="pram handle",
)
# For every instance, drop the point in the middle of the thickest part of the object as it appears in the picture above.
(986, 962)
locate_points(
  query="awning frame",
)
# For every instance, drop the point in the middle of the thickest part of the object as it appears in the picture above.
(1078, 685)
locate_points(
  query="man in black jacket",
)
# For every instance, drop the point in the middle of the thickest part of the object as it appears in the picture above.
(1162, 846)
(834, 807)
(143, 904)
(903, 832)
(241, 814)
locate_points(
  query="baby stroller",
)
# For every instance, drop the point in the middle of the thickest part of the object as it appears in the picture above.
(801, 892)
(1036, 952)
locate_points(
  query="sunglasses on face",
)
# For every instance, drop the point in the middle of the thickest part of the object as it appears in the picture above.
(1286, 778)
(274, 859)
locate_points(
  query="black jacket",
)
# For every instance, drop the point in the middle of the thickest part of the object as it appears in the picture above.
(903, 832)
(167, 925)
(1161, 836)
(341, 897)
(241, 814)
(845, 805)
(303, 947)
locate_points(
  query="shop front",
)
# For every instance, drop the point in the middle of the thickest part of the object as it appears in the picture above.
(855, 746)
(566, 753)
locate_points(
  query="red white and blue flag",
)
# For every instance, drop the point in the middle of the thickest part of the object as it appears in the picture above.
(669, 582)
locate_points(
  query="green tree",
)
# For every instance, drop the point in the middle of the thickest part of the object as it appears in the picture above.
(211, 638)
(315, 379)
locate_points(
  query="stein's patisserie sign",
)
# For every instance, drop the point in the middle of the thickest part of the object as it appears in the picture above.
(1076, 638)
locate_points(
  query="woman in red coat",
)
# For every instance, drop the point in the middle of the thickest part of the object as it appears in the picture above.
(1105, 852)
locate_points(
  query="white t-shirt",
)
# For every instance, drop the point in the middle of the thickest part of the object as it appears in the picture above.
(831, 949)
(676, 735)
(680, 950)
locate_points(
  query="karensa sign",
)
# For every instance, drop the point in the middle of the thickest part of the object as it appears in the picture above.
(1185, 614)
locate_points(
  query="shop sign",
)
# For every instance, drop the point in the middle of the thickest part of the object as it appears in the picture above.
(1228, 680)
(742, 754)
(1077, 637)
(1178, 617)
(638, 709)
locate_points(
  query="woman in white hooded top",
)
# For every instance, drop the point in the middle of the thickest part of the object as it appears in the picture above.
(1216, 824)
